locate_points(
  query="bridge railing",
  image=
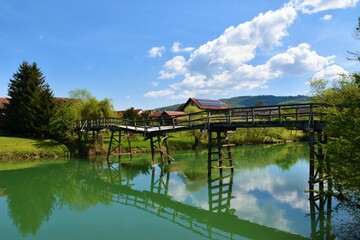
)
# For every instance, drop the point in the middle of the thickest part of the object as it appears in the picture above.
(273, 114)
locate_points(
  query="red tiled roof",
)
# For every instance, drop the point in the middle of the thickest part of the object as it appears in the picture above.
(173, 113)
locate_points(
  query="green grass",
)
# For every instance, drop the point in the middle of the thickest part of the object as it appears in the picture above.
(179, 140)
(16, 146)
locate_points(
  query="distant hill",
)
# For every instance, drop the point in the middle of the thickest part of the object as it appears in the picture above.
(247, 101)
(169, 108)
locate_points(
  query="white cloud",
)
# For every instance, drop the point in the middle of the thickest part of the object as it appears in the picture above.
(238, 44)
(156, 51)
(177, 49)
(314, 6)
(225, 64)
(327, 17)
(299, 60)
(330, 72)
(160, 93)
(173, 67)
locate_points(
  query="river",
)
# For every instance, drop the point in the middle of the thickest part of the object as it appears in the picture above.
(265, 198)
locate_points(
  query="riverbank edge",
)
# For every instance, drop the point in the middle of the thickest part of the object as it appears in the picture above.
(44, 153)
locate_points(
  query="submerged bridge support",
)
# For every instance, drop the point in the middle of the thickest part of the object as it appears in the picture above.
(320, 187)
(219, 149)
(117, 144)
(159, 142)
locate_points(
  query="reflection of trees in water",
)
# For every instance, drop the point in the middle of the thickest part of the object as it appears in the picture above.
(285, 156)
(30, 196)
(334, 178)
(348, 228)
(79, 185)
(33, 193)
(349, 205)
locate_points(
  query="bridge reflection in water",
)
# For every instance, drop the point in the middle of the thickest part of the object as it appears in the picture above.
(40, 190)
(216, 222)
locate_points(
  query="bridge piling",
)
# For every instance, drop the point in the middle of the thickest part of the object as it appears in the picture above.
(218, 140)
(119, 143)
(320, 186)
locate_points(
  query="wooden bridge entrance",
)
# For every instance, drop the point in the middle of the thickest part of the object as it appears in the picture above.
(306, 117)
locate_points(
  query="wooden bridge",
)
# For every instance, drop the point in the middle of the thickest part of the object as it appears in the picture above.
(308, 117)
(217, 123)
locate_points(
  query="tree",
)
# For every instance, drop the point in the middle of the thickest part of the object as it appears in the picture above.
(31, 103)
(62, 124)
(90, 107)
(130, 114)
(80, 106)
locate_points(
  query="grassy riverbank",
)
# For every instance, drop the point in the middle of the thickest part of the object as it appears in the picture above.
(25, 148)
(17, 148)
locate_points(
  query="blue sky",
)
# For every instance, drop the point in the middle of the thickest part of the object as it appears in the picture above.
(148, 54)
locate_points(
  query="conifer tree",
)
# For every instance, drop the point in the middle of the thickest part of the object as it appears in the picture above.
(31, 102)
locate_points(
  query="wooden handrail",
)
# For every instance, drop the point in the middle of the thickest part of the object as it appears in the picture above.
(276, 114)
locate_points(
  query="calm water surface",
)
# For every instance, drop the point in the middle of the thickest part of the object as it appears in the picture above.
(265, 198)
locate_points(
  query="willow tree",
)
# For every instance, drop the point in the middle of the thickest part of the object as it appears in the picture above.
(31, 103)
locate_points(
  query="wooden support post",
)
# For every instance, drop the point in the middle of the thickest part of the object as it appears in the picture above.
(219, 147)
(119, 146)
(222, 155)
(129, 144)
(319, 186)
(160, 149)
(209, 151)
(109, 150)
(167, 149)
(152, 150)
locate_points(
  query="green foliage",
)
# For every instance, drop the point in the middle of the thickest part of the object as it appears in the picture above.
(81, 105)
(62, 123)
(31, 103)
(169, 108)
(130, 114)
(249, 101)
(90, 107)
(343, 130)
(264, 135)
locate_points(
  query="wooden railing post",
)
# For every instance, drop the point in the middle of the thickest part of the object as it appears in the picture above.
(228, 117)
(297, 114)
(208, 120)
(280, 120)
(252, 116)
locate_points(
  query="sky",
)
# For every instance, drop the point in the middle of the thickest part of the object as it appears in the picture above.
(149, 54)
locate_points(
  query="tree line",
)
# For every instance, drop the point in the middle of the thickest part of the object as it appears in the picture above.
(342, 151)
(33, 111)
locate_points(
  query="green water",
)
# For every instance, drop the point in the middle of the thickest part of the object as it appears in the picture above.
(265, 198)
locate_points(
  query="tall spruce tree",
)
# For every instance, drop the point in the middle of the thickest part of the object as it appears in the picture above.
(31, 103)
